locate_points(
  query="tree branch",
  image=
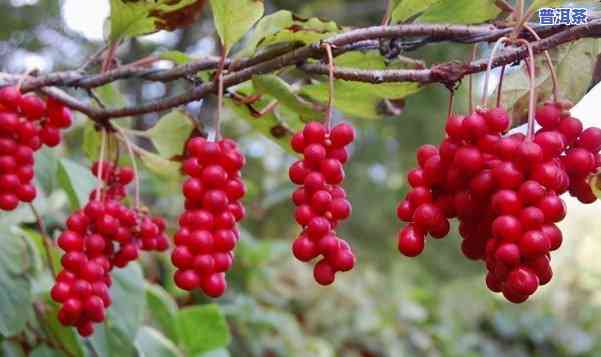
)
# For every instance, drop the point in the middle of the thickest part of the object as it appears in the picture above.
(274, 59)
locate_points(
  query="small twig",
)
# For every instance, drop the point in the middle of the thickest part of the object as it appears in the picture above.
(217, 121)
(500, 86)
(101, 164)
(471, 80)
(532, 89)
(93, 58)
(488, 69)
(46, 240)
(331, 69)
(554, 79)
(134, 165)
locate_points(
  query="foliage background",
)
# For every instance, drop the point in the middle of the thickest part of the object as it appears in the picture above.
(435, 305)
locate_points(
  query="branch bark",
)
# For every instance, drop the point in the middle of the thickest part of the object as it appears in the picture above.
(278, 58)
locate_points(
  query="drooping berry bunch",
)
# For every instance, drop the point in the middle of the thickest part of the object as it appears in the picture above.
(320, 201)
(26, 122)
(104, 234)
(208, 234)
(504, 190)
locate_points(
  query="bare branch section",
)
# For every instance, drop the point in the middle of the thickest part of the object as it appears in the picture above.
(411, 36)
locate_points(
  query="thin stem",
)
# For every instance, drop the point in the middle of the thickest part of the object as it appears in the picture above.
(134, 165)
(331, 68)
(471, 79)
(45, 239)
(387, 14)
(217, 121)
(549, 61)
(500, 86)
(108, 60)
(451, 102)
(488, 69)
(101, 164)
(532, 89)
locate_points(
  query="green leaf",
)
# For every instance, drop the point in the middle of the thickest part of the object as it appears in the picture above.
(574, 63)
(134, 18)
(160, 166)
(115, 337)
(175, 56)
(46, 165)
(233, 18)
(267, 125)
(91, 141)
(15, 288)
(110, 95)
(66, 336)
(77, 181)
(409, 8)
(45, 351)
(151, 343)
(371, 95)
(460, 11)
(171, 133)
(285, 27)
(162, 309)
(283, 92)
(221, 352)
(202, 329)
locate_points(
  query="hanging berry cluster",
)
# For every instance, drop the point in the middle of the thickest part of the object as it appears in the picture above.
(104, 234)
(320, 201)
(504, 190)
(26, 123)
(208, 234)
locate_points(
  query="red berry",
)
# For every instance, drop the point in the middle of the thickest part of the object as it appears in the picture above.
(411, 241)
(548, 116)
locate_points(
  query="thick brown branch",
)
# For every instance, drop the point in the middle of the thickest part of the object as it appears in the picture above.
(275, 59)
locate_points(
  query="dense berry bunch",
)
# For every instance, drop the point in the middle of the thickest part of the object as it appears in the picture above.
(104, 234)
(208, 234)
(504, 190)
(26, 122)
(320, 200)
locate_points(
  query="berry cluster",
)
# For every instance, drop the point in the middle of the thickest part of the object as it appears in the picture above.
(504, 190)
(26, 122)
(208, 234)
(320, 201)
(104, 234)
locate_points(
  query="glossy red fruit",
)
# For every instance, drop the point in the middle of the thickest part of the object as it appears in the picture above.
(411, 241)
(324, 273)
(590, 139)
(548, 116)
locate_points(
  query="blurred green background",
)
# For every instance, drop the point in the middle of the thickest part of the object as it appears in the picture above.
(434, 305)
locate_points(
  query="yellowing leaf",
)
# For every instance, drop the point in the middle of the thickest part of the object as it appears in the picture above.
(285, 27)
(233, 18)
(138, 17)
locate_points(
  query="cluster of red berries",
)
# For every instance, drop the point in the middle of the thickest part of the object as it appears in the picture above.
(99, 237)
(208, 233)
(26, 122)
(504, 190)
(320, 201)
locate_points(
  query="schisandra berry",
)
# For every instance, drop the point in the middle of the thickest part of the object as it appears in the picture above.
(26, 122)
(320, 201)
(208, 234)
(504, 190)
(103, 235)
